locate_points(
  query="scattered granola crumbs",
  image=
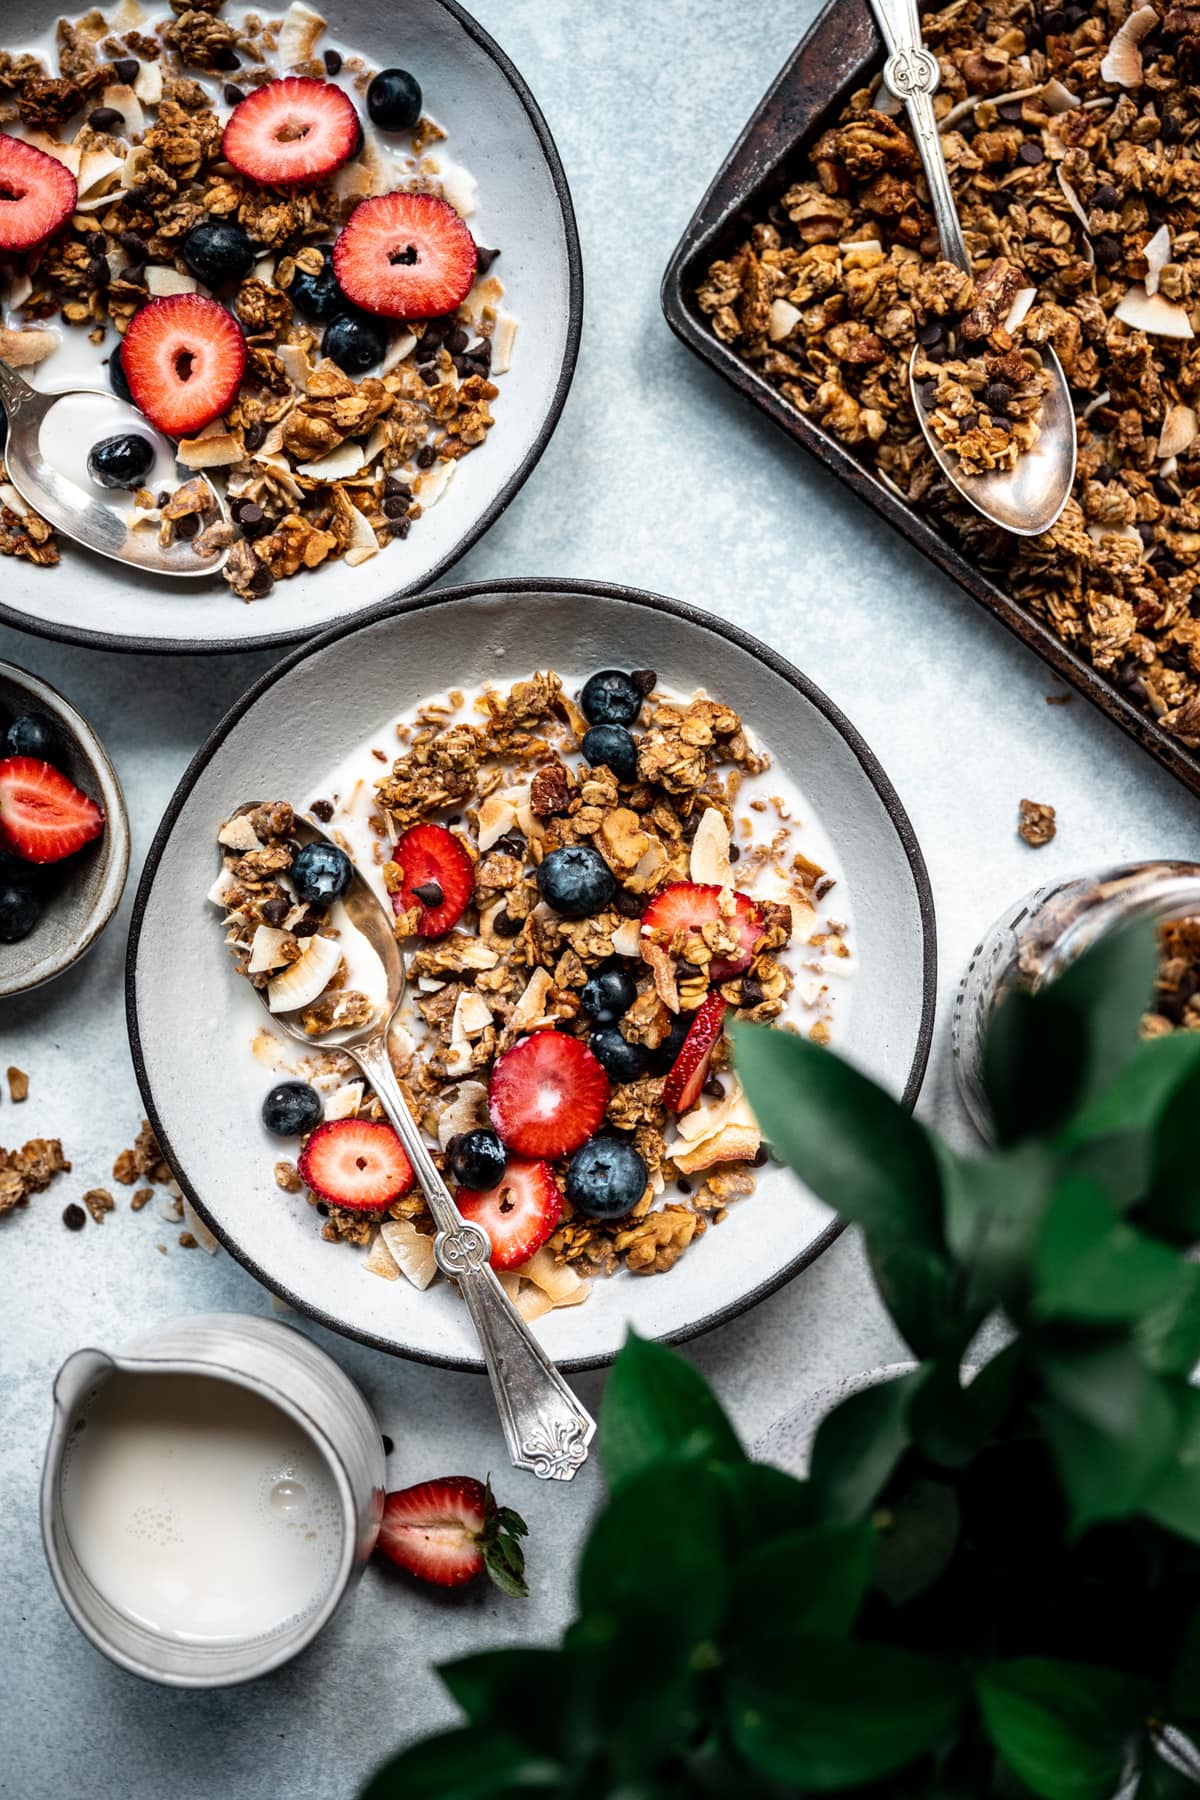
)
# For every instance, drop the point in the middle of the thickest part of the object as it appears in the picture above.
(161, 1248)
(74, 1217)
(98, 1202)
(287, 1177)
(125, 1169)
(187, 1241)
(18, 1085)
(1059, 699)
(141, 1198)
(29, 1170)
(1037, 825)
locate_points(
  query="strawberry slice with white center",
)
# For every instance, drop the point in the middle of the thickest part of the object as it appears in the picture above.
(518, 1214)
(292, 130)
(407, 256)
(689, 1071)
(184, 358)
(447, 1532)
(43, 816)
(547, 1095)
(356, 1163)
(439, 878)
(37, 193)
(685, 906)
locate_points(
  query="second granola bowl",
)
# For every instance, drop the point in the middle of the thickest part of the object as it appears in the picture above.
(319, 730)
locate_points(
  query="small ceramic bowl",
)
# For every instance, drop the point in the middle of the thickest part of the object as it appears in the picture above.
(87, 889)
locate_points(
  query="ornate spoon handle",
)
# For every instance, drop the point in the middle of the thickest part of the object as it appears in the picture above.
(547, 1429)
(911, 73)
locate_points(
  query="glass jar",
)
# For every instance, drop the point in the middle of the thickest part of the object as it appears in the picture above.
(1036, 939)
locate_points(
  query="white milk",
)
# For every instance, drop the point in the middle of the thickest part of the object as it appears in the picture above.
(198, 1509)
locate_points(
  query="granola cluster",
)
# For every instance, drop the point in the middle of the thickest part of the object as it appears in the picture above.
(318, 466)
(1176, 1005)
(29, 1170)
(1071, 139)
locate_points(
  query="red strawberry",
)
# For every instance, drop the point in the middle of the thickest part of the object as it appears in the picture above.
(407, 256)
(184, 357)
(547, 1095)
(292, 130)
(43, 817)
(518, 1214)
(356, 1163)
(447, 1531)
(689, 1071)
(37, 193)
(439, 877)
(687, 905)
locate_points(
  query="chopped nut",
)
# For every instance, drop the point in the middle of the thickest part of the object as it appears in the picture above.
(1037, 825)
(18, 1085)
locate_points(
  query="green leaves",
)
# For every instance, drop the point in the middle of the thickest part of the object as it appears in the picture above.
(465, 1765)
(657, 1407)
(1062, 1727)
(857, 1447)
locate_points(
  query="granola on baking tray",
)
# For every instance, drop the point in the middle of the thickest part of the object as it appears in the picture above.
(1071, 136)
(166, 196)
(587, 890)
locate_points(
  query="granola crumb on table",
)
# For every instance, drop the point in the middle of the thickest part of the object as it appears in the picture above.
(29, 1170)
(1038, 823)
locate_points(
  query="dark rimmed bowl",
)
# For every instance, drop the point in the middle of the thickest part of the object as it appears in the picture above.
(84, 891)
(839, 54)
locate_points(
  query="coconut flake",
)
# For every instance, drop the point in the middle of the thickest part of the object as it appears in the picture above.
(23, 349)
(1178, 431)
(127, 17)
(710, 850)
(402, 345)
(556, 1279)
(460, 189)
(221, 886)
(96, 168)
(297, 366)
(307, 979)
(412, 1250)
(1019, 310)
(1122, 63)
(472, 1015)
(268, 949)
(380, 1261)
(124, 100)
(1154, 314)
(344, 1101)
(1157, 253)
(530, 1009)
(199, 1230)
(783, 319)
(336, 465)
(503, 339)
(161, 280)
(497, 815)
(431, 484)
(217, 451)
(1077, 207)
(627, 938)
(467, 1109)
(298, 35)
(239, 834)
(149, 84)
(1058, 99)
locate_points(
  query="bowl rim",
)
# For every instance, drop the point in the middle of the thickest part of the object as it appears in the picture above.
(176, 646)
(545, 587)
(116, 836)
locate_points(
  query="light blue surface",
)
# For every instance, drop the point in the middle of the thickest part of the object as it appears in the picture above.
(658, 476)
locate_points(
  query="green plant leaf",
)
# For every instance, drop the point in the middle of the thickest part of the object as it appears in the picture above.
(809, 1582)
(857, 1447)
(1096, 1269)
(761, 1503)
(1111, 1425)
(655, 1556)
(1168, 1336)
(993, 1213)
(1173, 1498)
(493, 1689)
(656, 1405)
(1140, 1091)
(1062, 1726)
(824, 1713)
(951, 1421)
(1050, 1053)
(467, 1764)
(918, 1530)
(1172, 1204)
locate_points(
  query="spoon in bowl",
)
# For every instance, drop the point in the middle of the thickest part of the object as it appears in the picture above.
(75, 512)
(1028, 498)
(546, 1428)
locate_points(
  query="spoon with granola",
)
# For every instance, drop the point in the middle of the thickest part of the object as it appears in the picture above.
(996, 415)
(546, 1427)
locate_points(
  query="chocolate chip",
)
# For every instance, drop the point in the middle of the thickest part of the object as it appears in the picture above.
(1172, 131)
(394, 487)
(133, 245)
(997, 396)
(456, 340)
(97, 242)
(126, 69)
(323, 810)
(504, 925)
(684, 1187)
(188, 526)
(429, 375)
(385, 1440)
(511, 844)
(323, 1208)
(734, 853)
(938, 353)
(426, 456)
(276, 909)
(254, 437)
(1032, 154)
(400, 527)
(253, 521)
(1010, 112)
(429, 893)
(630, 906)
(134, 275)
(928, 393)
(762, 1156)
(687, 969)
(1107, 249)
(306, 928)
(1075, 15)
(74, 1217)
(1165, 491)
(106, 118)
(226, 58)
(333, 62)
(162, 499)
(645, 680)
(484, 259)
(1105, 472)
(1054, 21)
(456, 819)
(714, 1087)
(1106, 198)
(261, 582)
(396, 506)
(97, 272)
(930, 333)
(752, 991)
(233, 94)
(1146, 532)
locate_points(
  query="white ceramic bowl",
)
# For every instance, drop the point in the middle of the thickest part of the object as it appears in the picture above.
(192, 1021)
(497, 131)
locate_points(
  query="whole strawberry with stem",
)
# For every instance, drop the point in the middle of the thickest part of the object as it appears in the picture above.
(448, 1531)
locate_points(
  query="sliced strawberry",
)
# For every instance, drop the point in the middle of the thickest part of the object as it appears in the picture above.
(407, 256)
(292, 130)
(37, 193)
(518, 1214)
(687, 905)
(184, 357)
(43, 816)
(439, 877)
(547, 1095)
(689, 1072)
(356, 1163)
(447, 1531)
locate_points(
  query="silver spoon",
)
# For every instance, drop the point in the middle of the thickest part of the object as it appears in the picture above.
(76, 513)
(1028, 498)
(546, 1428)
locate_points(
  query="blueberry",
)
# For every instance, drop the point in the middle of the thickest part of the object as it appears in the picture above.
(318, 297)
(16, 872)
(218, 251)
(613, 745)
(321, 874)
(394, 100)
(355, 341)
(606, 1178)
(478, 1160)
(611, 698)
(36, 734)
(291, 1109)
(663, 1059)
(620, 1060)
(609, 994)
(20, 910)
(117, 380)
(123, 461)
(575, 881)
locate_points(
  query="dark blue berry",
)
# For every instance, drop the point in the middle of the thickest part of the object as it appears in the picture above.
(576, 881)
(663, 1059)
(318, 297)
(117, 380)
(292, 1108)
(218, 251)
(320, 874)
(478, 1160)
(611, 698)
(20, 910)
(609, 994)
(36, 734)
(394, 100)
(606, 1178)
(355, 341)
(123, 461)
(613, 745)
(16, 872)
(620, 1060)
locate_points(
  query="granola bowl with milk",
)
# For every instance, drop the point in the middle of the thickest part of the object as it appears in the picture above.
(323, 307)
(595, 861)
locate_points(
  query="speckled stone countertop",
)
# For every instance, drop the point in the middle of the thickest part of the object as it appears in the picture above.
(658, 476)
